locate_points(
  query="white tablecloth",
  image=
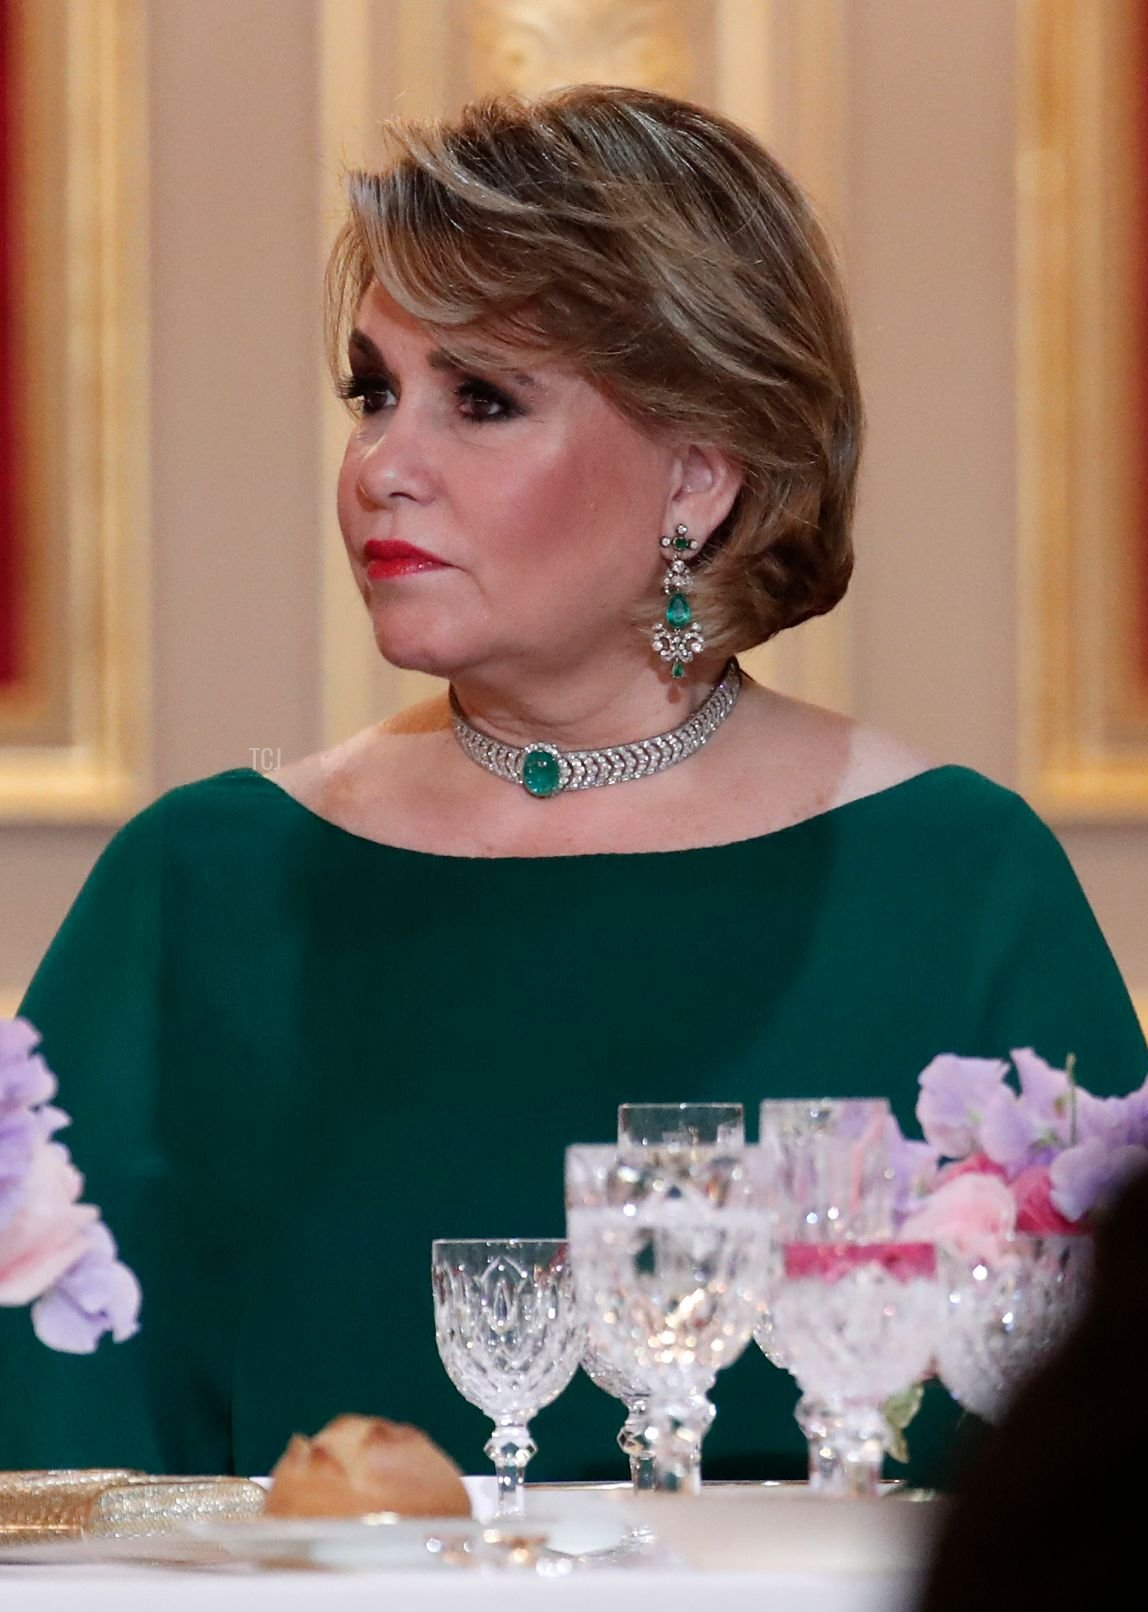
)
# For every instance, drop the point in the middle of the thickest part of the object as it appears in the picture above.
(117, 1589)
(762, 1548)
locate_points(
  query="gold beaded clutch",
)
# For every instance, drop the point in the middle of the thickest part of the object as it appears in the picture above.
(37, 1507)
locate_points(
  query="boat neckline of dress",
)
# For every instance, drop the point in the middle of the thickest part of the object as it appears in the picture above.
(774, 834)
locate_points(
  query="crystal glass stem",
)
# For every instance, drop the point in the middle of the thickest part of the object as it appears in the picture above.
(634, 1443)
(846, 1447)
(510, 1448)
(638, 1442)
(678, 1427)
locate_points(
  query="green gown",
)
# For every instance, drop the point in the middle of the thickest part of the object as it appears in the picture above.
(294, 1056)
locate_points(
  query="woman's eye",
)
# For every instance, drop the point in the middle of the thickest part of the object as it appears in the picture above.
(364, 391)
(481, 401)
(491, 403)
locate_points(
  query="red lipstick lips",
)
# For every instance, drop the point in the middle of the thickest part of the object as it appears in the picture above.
(392, 558)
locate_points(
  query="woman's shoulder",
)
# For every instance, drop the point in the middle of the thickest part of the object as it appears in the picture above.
(201, 813)
(858, 761)
(214, 798)
(376, 750)
(923, 811)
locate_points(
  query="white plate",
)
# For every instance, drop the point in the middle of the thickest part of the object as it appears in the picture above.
(383, 1540)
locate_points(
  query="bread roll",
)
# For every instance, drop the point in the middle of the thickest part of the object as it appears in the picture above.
(359, 1464)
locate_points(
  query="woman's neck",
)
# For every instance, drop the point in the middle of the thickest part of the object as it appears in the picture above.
(586, 712)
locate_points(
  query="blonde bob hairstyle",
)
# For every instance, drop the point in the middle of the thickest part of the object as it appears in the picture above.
(662, 253)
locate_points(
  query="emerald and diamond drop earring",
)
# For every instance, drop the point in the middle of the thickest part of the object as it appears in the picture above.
(677, 638)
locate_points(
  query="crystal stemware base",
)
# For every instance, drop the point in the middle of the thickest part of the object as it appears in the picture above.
(857, 1324)
(847, 1446)
(510, 1448)
(677, 1427)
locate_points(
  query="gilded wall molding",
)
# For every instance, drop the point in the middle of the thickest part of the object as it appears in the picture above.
(82, 299)
(531, 45)
(777, 68)
(1083, 717)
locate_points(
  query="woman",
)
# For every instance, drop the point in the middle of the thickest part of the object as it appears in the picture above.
(606, 435)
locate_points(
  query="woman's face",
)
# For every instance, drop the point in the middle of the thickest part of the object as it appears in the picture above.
(543, 502)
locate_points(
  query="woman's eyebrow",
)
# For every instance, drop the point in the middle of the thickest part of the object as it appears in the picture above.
(437, 358)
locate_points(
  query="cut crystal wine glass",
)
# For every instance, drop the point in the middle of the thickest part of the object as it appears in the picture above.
(679, 1125)
(853, 1315)
(654, 1126)
(1006, 1312)
(510, 1337)
(857, 1323)
(826, 1166)
(668, 1254)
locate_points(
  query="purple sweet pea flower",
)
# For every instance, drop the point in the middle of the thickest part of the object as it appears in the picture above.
(1086, 1177)
(19, 1134)
(1049, 1097)
(914, 1166)
(1007, 1131)
(25, 1083)
(1115, 1121)
(97, 1294)
(55, 1253)
(1138, 1115)
(1019, 1130)
(21, 1131)
(1047, 1090)
(17, 1038)
(25, 1079)
(954, 1092)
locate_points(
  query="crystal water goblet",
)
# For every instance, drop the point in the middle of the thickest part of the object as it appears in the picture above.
(668, 1255)
(657, 1126)
(509, 1335)
(828, 1167)
(826, 1163)
(677, 1125)
(857, 1323)
(1008, 1309)
(853, 1314)
(635, 1439)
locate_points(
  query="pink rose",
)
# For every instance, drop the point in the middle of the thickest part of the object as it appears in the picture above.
(975, 1164)
(1035, 1211)
(46, 1234)
(970, 1216)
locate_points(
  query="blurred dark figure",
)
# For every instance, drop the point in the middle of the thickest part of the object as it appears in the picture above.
(1052, 1510)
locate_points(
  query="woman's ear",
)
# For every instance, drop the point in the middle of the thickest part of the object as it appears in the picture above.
(707, 483)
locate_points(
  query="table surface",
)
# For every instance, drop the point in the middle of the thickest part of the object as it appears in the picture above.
(804, 1554)
(132, 1589)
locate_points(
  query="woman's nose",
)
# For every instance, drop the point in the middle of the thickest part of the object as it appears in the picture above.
(397, 464)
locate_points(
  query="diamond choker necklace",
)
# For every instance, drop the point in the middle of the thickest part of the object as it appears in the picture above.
(543, 769)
